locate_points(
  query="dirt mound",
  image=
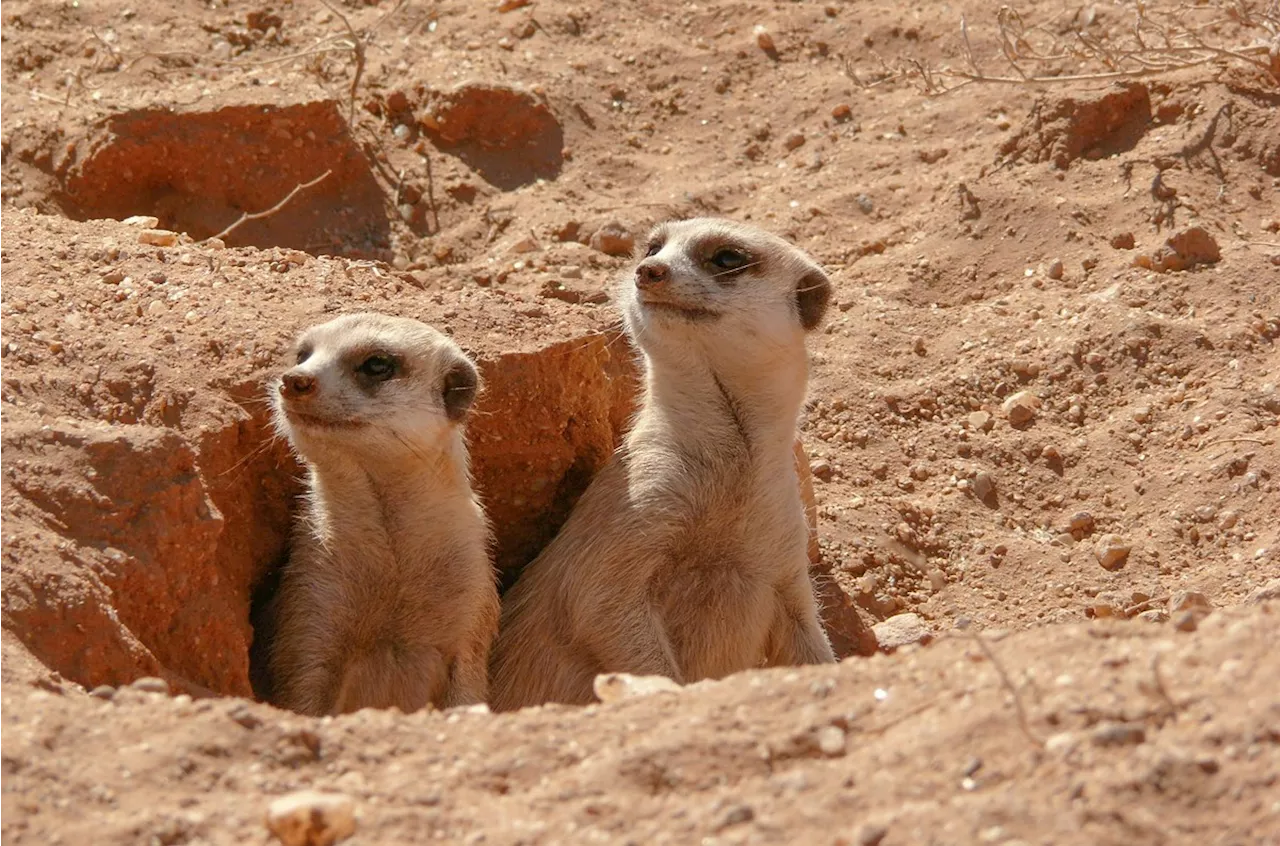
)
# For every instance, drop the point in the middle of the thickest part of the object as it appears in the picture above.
(1063, 129)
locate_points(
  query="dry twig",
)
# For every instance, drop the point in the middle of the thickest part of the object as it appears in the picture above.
(247, 216)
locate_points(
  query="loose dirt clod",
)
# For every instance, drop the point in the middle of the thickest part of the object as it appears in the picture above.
(1185, 250)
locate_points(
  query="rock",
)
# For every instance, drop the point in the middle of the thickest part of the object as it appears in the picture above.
(980, 421)
(614, 687)
(1153, 615)
(142, 220)
(1112, 551)
(158, 237)
(1123, 241)
(311, 818)
(1186, 249)
(831, 741)
(764, 39)
(901, 630)
(822, 469)
(613, 239)
(984, 486)
(1190, 600)
(1021, 408)
(793, 141)
(1266, 593)
(1080, 524)
(1055, 270)
(842, 113)
(151, 684)
(103, 691)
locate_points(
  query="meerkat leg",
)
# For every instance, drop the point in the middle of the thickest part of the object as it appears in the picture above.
(469, 677)
(642, 647)
(798, 637)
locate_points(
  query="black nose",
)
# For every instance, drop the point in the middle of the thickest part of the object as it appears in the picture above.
(651, 274)
(297, 384)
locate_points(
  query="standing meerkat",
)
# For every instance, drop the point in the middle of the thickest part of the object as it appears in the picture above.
(687, 555)
(388, 597)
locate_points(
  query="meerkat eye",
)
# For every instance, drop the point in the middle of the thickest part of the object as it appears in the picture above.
(654, 246)
(727, 258)
(304, 353)
(378, 368)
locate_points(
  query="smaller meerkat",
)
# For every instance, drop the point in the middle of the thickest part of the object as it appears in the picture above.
(388, 597)
(686, 557)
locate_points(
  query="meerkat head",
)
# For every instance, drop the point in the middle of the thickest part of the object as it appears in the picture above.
(716, 274)
(374, 382)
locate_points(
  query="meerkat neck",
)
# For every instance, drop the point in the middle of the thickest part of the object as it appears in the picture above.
(702, 405)
(358, 501)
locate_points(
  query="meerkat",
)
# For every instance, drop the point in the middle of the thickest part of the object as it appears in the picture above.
(686, 557)
(388, 598)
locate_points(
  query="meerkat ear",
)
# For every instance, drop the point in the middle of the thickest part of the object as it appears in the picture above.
(460, 384)
(813, 292)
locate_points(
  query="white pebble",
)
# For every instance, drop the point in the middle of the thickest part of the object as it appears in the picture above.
(311, 818)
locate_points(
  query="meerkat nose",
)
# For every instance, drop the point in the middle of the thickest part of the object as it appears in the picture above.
(651, 275)
(297, 384)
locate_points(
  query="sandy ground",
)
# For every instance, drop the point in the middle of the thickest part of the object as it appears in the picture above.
(1043, 411)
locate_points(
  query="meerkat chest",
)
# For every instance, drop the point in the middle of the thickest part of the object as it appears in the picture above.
(717, 583)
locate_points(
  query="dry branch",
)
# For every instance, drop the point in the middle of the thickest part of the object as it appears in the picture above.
(1151, 46)
(247, 216)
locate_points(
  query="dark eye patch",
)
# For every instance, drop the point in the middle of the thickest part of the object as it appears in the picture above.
(730, 258)
(654, 246)
(377, 367)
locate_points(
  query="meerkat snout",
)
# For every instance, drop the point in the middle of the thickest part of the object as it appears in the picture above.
(296, 385)
(651, 274)
(460, 385)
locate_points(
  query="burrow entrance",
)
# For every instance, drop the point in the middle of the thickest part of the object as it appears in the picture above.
(200, 172)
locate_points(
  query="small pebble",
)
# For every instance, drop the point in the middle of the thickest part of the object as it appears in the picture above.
(613, 687)
(822, 469)
(980, 421)
(158, 237)
(1020, 408)
(103, 691)
(150, 684)
(141, 220)
(613, 239)
(984, 485)
(901, 630)
(1055, 269)
(842, 113)
(794, 140)
(764, 40)
(1112, 551)
(311, 818)
(831, 741)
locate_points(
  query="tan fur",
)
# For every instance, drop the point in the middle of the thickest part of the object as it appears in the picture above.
(686, 557)
(388, 598)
